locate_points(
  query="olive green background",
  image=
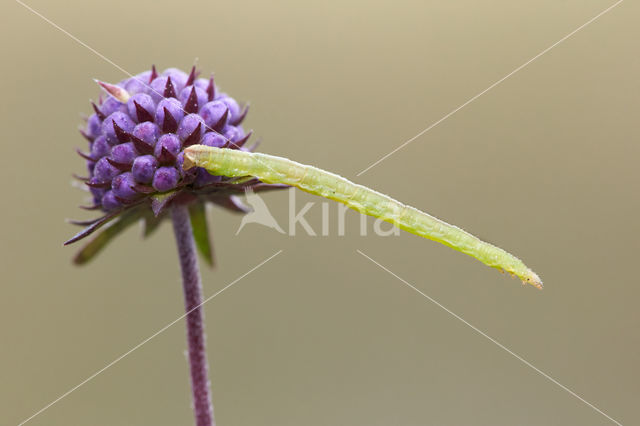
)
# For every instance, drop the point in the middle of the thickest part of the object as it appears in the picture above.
(544, 165)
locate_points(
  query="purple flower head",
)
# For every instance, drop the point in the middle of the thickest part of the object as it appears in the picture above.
(137, 135)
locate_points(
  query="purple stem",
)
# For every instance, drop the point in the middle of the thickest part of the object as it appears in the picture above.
(200, 386)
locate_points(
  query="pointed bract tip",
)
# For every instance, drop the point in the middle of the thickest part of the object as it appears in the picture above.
(92, 228)
(223, 120)
(94, 207)
(84, 155)
(120, 166)
(117, 92)
(142, 147)
(192, 102)
(193, 137)
(142, 114)
(166, 157)
(85, 135)
(169, 124)
(120, 133)
(242, 116)
(99, 113)
(211, 89)
(154, 73)
(241, 142)
(192, 76)
(169, 90)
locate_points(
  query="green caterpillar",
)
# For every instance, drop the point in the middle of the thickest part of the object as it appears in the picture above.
(272, 169)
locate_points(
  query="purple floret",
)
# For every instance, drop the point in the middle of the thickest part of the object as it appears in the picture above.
(203, 177)
(141, 107)
(201, 83)
(94, 126)
(167, 143)
(190, 124)
(100, 147)
(232, 133)
(157, 88)
(122, 120)
(198, 98)
(147, 132)
(124, 153)
(214, 114)
(122, 186)
(178, 77)
(186, 174)
(143, 168)
(111, 105)
(234, 108)
(165, 179)
(104, 171)
(174, 107)
(109, 202)
(213, 139)
(138, 84)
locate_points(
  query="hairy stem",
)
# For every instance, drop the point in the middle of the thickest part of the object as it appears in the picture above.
(192, 285)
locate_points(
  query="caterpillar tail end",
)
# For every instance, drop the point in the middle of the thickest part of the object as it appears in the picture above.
(533, 279)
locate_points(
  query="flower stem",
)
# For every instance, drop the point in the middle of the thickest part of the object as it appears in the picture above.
(192, 285)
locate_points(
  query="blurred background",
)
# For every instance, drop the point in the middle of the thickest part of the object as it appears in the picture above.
(544, 165)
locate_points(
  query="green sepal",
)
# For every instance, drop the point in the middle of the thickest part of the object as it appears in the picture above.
(99, 242)
(201, 231)
(151, 224)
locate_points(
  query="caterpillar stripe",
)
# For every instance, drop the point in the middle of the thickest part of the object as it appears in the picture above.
(272, 169)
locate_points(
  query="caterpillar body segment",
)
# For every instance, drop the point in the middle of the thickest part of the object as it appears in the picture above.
(273, 169)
